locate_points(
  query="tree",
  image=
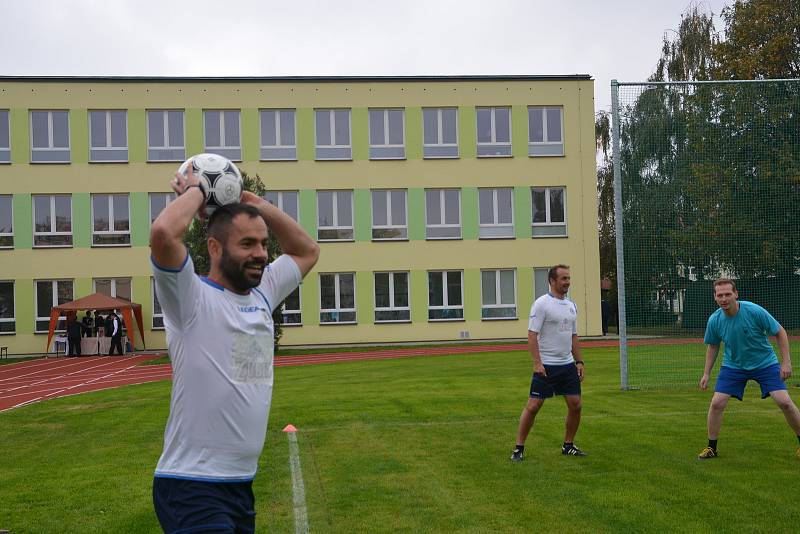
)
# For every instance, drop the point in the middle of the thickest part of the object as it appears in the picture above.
(197, 236)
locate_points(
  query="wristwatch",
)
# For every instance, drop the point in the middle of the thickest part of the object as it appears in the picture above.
(579, 362)
(198, 186)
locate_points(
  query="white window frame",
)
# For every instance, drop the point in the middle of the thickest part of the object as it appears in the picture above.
(493, 148)
(500, 230)
(392, 307)
(53, 231)
(169, 197)
(387, 150)
(402, 228)
(13, 318)
(153, 150)
(336, 226)
(111, 221)
(443, 215)
(291, 311)
(545, 147)
(549, 223)
(278, 151)
(281, 205)
(445, 303)
(50, 146)
(439, 150)
(154, 300)
(338, 297)
(333, 151)
(232, 152)
(54, 299)
(5, 151)
(11, 213)
(498, 295)
(95, 151)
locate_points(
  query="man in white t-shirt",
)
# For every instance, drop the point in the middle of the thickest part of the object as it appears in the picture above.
(557, 362)
(221, 342)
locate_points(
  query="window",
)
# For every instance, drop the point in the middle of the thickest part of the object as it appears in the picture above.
(333, 133)
(158, 313)
(159, 201)
(440, 132)
(165, 139)
(335, 215)
(386, 134)
(541, 282)
(337, 298)
(278, 139)
(391, 298)
(5, 137)
(445, 296)
(51, 293)
(389, 214)
(494, 132)
(545, 137)
(496, 212)
(50, 137)
(108, 136)
(498, 294)
(111, 224)
(118, 288)
(52, 221)
(549, 211)
(8, 322)
(443, 214)
(222, 133)
(290, 310)
(286, 201)
(6, 221)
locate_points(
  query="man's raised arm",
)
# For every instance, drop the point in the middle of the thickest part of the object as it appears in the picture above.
(166, 234)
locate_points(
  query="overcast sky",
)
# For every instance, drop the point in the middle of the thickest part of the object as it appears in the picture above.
(606, 39)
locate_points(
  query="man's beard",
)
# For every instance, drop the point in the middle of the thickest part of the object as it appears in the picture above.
(234, 273)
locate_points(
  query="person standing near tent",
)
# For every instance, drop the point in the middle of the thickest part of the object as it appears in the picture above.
(73, 335)
(115, 333)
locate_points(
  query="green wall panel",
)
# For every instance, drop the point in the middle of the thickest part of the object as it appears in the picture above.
(23, 220)
(522, 212)
(416, 215)
(79, 135)
(81, 220)
(305, 134)
(309, 300)
(360, 133)
(308, 211)
(140, 219)
(472, 294)
(82, 287)
(194, 131)
(24, 300)
(365, 302)
(469, 213)
(419, 296)
(362, 212)
(251, 136)
(137, 136)
(20, 137)
(467, 132)
(140, 292)
(519, 131)
(524, 291)
(413, 133)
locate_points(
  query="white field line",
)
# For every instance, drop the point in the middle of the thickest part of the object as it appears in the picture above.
(105, 363)
(298, 489)
(47, 366)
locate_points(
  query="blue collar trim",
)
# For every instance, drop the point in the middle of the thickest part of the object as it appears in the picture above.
(212, 283)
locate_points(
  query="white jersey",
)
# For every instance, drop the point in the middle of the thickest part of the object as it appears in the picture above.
(221, 345)
(555, 320)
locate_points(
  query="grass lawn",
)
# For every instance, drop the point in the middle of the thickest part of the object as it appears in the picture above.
(422, 445)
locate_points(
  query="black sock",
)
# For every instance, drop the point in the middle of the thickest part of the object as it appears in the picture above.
(712, 443)
(519, 448)
(798, 437)
(568, 445)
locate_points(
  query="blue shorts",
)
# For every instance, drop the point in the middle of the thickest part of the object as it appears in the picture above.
(210, 507)
(732, 381)
(560, 380)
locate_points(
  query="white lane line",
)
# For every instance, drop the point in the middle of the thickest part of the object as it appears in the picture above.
(298, 489)
(106, 361)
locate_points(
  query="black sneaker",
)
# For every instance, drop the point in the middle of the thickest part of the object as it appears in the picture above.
(517, 456)
(571, 450)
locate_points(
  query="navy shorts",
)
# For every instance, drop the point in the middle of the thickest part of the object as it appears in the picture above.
(210, 507)
(732, 381)
(560, 380)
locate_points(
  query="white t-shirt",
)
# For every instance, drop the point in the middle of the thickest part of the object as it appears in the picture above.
(221, 345)
(555, 320)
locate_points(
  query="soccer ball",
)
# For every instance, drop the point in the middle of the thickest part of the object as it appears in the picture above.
(221, 179)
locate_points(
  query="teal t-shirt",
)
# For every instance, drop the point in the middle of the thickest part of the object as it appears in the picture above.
(745, 336)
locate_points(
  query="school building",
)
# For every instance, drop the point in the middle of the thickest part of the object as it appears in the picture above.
(439, 202)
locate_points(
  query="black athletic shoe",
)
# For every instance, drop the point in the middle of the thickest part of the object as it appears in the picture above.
(571, 450)
(517, 456)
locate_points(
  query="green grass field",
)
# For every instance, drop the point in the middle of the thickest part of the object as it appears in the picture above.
(422, 445)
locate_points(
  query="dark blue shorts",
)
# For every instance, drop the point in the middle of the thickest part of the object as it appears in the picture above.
(560, 380)
(732, 381)
(185, 506)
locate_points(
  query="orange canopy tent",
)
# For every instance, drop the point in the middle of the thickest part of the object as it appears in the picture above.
(100, 302)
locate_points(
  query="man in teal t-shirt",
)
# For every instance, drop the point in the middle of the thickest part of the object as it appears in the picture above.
(744, 327)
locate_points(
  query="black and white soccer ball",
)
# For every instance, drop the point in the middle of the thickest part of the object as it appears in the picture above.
(221, 179)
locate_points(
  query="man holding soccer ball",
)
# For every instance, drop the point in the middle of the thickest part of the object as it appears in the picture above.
(743, 327)
(220, 338)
